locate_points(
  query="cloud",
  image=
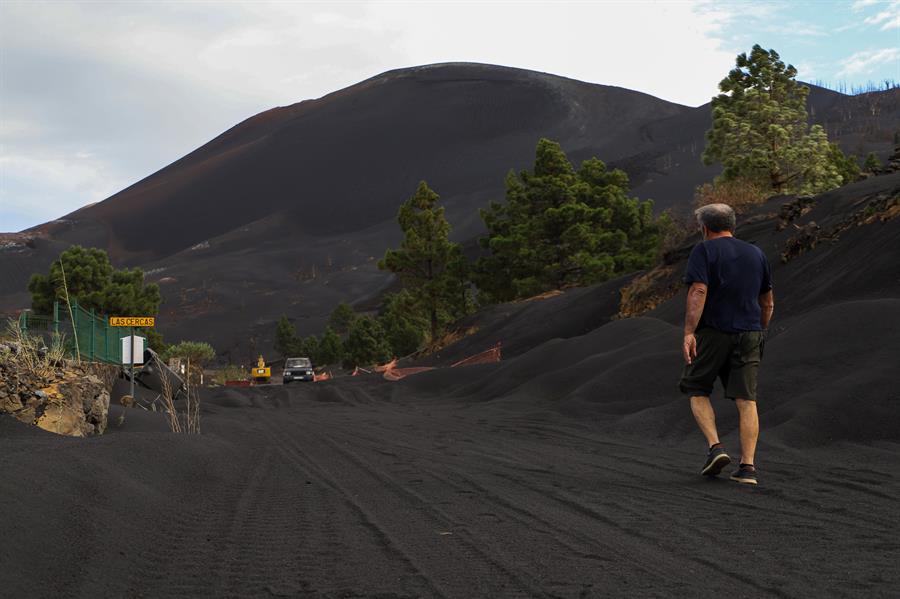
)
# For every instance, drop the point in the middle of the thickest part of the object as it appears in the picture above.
(38, 188)
(864, 62)
(889, 18)
(861, 4)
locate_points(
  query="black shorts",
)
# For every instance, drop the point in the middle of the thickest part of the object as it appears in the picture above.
(732, 357)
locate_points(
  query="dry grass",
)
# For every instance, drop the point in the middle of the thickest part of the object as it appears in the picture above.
(32, 355)
(189, 420)
(229, 373)
(740, 194)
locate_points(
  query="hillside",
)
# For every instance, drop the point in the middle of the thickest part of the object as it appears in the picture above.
(569, 469)
(288, 211)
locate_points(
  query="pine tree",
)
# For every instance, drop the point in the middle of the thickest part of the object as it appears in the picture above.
(342, 318)
(404, 324)
(760, 132)
(427, 261)
(286, 340)
(560, 227)
(91, 280)
(847, 166)
(331, 350)
(310, 348)
(872, 163)
(365, 344)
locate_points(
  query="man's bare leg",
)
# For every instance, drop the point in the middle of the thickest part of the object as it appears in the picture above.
(749, 429)
(706, 418)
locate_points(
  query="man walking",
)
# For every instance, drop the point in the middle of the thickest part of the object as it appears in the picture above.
(729, 306)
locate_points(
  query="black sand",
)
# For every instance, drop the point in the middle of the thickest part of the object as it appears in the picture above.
(377, 489)
(570, 469)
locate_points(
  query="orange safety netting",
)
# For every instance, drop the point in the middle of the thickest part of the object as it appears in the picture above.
(486, 357)
(395, 374)
(392, 373)
(321, 377)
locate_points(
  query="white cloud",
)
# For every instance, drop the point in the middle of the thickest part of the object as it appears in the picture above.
(888, 18)
(134, 86)
(861, 4)
(49, 186)
(863, 62)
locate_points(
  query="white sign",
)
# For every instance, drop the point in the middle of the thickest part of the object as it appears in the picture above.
(138, 350)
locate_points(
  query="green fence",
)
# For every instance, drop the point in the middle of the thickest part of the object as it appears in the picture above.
(83, 332)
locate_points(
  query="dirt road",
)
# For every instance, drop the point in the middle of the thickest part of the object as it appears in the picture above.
(349, 490)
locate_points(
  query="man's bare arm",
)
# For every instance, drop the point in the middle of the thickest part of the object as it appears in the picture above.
(696, 299)
(766, 307)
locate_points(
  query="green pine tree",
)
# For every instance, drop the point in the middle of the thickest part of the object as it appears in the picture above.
(404, 323)
(847, 166)
(365, 344)
(427, 262)
(310, 348)
(342, 318)
(760, 132)
(331, 349)
(560, 227)
(872, 163)
(91, 280)
(286, 340)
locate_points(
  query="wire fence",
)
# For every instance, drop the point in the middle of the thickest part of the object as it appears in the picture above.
(84, 333)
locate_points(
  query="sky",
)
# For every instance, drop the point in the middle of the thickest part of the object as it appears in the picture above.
(96, 96)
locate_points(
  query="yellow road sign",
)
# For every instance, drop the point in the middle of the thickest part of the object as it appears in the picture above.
(132, 321)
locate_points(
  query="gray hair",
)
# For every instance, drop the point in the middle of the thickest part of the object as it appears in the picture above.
(716, 217)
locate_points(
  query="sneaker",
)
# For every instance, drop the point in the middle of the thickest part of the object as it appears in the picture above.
(745, 474)
(716, 460)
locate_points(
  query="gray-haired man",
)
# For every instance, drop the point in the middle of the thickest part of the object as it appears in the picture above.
(729, 306)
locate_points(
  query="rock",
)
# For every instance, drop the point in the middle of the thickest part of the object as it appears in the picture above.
(26, 415)
(99, 411)
(63, 420)
(9, 403)
(73, 399)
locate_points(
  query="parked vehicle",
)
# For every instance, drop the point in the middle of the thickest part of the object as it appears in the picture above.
(298, 369)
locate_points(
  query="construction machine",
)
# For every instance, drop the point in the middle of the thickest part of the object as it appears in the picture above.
(261, 373)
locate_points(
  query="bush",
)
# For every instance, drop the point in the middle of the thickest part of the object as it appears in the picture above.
(740, 194)
(365, 344)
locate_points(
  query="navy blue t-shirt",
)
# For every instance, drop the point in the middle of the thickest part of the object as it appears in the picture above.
(736, 273)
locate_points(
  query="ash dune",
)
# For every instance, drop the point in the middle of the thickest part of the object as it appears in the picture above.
(287, 211)
(567, 470)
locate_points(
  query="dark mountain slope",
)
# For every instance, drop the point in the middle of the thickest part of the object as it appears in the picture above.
(340, 163)
(288, 211)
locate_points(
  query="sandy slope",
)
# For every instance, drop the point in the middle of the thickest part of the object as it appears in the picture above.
(372, 489)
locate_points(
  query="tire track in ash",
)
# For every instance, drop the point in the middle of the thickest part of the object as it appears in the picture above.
(642, 511)
(586, 554)
(201, 545)
(633, 549)
(453, 563)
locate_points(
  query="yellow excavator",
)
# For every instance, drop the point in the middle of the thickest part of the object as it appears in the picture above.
(261, 373)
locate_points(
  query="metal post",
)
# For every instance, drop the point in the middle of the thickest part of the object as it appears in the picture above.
(93, 333)
(56, 317)
(131, 359)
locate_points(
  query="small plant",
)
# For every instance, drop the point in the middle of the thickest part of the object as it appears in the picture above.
(31, 354)
(229, 373)
(740, 194)
(189, 420)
